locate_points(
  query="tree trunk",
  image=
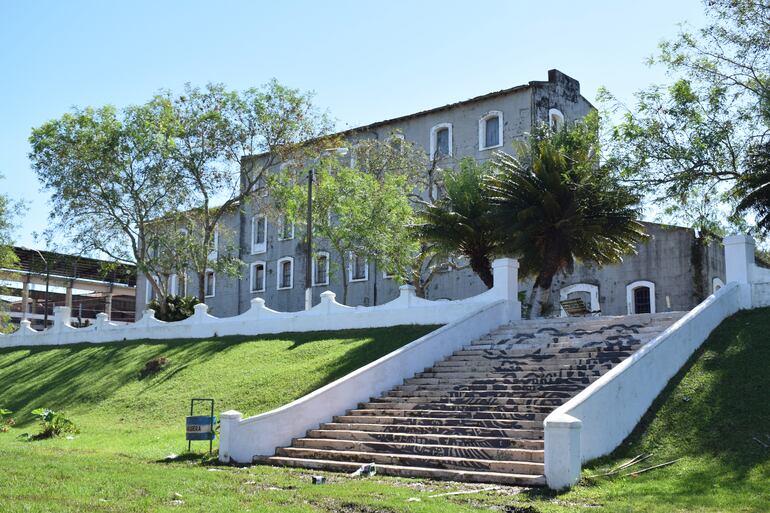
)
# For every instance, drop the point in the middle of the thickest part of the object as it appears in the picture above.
(159, 294)
(481, 265)
(344, 281)
(541, 293)
(202, 287)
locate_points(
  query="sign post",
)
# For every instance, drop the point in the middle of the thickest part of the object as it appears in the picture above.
(201, 427)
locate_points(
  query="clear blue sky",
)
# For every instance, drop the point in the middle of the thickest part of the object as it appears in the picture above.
(365, 60)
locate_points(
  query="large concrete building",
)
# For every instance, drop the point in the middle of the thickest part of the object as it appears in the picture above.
(670, 272)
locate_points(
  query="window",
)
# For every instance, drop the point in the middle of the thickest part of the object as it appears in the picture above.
(321, 269)
(286, 229)
(257, 276)
(210, 284)
(285, 273)
(173, 285)
(555, 119)
(640, 297)
(588, 292)
(441, 141)
(258, 234)
(150, 292)
(491, 130)
(358, 270)
(214, 245)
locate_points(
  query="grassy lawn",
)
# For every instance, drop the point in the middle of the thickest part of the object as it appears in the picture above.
(708, 416)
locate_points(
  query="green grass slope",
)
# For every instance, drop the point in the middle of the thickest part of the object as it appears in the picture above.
(708, 415)
(99, 388)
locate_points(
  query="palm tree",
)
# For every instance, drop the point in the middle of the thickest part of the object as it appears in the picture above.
(459, 222)
(754, 186)
(556, 204)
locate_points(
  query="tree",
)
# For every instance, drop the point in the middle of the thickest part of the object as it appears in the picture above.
(459, 222)
(555, 203)
(354, 212)
(9, 210)
(395, 155)
(692, 139)
(214, 129)
(110, 180)
(755, 186)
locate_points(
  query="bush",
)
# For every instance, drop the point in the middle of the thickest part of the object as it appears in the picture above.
(51, 424)
(153, 366)
(178, 308)
(6, 423)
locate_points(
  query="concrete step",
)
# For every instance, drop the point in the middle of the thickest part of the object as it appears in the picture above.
(438, 421)
(450, 414)
(405, 405)
(528, 434)
(428, 438)
(510, 389)
(513, 372)
(423, 449)
(566, 357)
(473, 401)
(565, 376)
(452, 395)
(404, 471)
(416, 460)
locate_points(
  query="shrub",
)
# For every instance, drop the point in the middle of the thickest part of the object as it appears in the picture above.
(178, 308)
(52, 424)
(6, 423)
(153, 366)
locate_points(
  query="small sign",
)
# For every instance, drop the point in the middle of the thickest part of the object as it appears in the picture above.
(199, 427)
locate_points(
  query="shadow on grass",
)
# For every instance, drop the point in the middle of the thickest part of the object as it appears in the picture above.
(62, 377)
(710, 411)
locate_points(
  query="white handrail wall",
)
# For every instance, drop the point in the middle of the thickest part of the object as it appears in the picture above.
(243, 439)
(259, 319)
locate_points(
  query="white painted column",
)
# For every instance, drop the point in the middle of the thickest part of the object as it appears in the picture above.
(61, 317)
(739, 263)
(108, 305)
(24, 299)
(563, 457)
(505, 276)
(228, 423)
(68, 297)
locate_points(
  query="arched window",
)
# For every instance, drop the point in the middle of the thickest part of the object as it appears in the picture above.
(587, 292)
(321, 268)
(210, 284)
(491, 130)
(716, 284)
(441, 141)
(640, 297)
(285, 274)
(358, 268)
(257, 276)
(258, 234)
(555, 119)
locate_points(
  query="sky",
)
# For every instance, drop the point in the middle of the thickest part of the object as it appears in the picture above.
(365, 61)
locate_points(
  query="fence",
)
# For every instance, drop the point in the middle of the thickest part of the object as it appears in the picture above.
(259, 319)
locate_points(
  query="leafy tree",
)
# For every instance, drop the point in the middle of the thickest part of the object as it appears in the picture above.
(395, 155)
(555, 203)
(692, 139)
(354, 212)
(459, 222)
(213, 130)
(109, 178)
(9, 210)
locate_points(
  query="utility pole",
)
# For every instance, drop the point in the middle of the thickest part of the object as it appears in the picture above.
(309, 235)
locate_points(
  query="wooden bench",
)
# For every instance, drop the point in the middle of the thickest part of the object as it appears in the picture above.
(576, 308)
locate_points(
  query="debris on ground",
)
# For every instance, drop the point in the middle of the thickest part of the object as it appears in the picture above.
(630, 463)
(636, 473)
(367, 470)
(465, 492)
(318, 480)
(760, 442)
